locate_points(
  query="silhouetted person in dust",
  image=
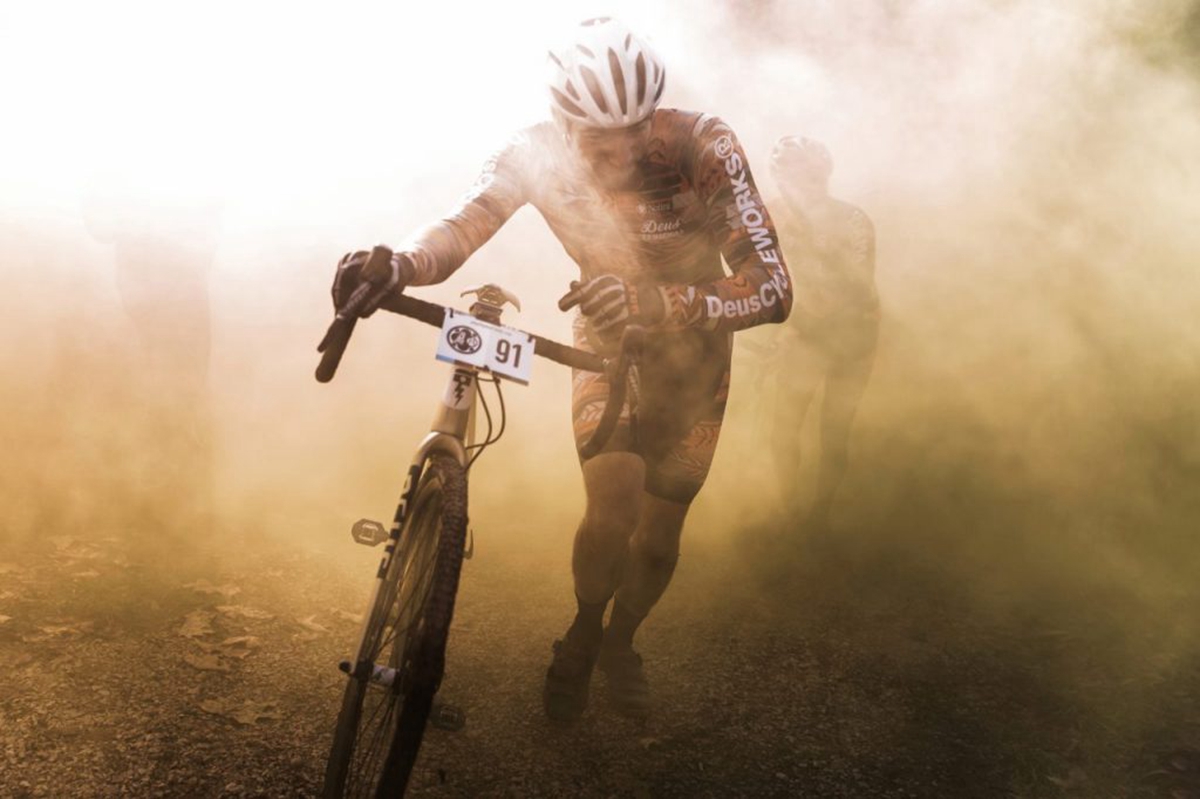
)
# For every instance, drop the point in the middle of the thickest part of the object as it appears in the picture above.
(646, 200)
(832, 335)
(163, 254)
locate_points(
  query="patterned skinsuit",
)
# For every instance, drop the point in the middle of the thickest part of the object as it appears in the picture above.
(696, 202)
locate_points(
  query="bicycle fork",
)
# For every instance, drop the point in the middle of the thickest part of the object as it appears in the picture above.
(450, 428)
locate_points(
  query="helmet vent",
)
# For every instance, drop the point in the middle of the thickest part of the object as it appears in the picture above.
(640, 70)
(614, 63)
(586, 51)
(567, 105)
(628, 39)
(593, 87)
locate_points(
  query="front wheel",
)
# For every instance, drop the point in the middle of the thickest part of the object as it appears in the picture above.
(390, 691)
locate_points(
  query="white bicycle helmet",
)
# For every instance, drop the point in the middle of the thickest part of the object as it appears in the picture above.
(802, 152)
(607, 77)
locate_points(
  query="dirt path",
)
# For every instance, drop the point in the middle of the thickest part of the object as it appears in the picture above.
(771, 680)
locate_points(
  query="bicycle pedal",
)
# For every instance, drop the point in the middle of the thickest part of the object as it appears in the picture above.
(446, 716)
(369, 532)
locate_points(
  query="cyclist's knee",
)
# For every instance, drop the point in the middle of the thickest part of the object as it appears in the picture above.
(659, 556)
(649, 571)
(604, 533)
(614, 483)
(656, 541)
(608, 526)
(600, 549)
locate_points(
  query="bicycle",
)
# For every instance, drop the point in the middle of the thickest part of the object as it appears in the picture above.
(399, 659)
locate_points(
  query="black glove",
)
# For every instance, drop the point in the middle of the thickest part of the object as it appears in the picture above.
(394, 276)
(610, 304)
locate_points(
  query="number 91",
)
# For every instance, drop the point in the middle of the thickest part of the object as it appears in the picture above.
(506, 349)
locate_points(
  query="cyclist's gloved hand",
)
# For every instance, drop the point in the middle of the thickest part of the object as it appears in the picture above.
(348, 276)
(611, 303)
(391, 277)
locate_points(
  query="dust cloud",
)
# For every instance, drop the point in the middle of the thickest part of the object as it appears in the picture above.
(1030, 435)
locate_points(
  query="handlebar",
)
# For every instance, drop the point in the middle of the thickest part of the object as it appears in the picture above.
(433, 314)
(333, 346)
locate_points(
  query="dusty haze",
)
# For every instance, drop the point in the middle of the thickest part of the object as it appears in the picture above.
(1031, 431)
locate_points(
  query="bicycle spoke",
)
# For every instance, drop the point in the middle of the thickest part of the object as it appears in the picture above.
(381, 703)
(362, 754)
(366, 752)
(408, 608)
(395, 626)
(375, 750)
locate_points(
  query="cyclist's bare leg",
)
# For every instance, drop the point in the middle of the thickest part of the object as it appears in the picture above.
(800, 374)
(613, 482)
(653, 553)
(844, 388)
(672, 482)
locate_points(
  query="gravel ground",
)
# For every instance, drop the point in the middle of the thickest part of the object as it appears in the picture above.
(771, 678)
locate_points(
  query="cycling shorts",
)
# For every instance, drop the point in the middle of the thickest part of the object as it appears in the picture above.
(684, 379)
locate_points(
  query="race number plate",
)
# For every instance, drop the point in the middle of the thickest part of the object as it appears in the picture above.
(501, 350)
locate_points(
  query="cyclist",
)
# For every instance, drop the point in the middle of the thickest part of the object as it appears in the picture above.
(833, 335)
(163, 254)
(645, 200)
